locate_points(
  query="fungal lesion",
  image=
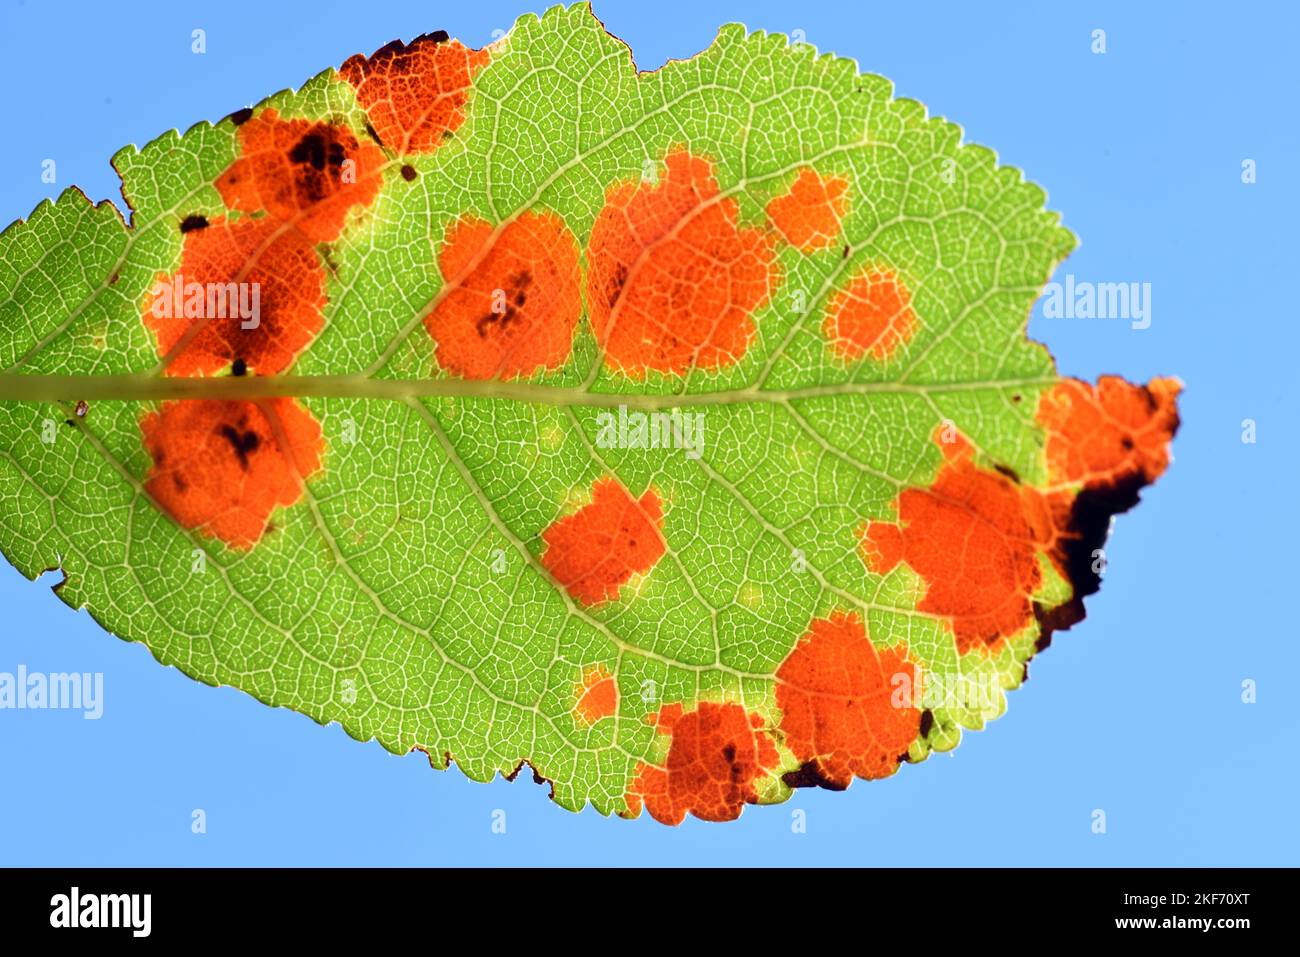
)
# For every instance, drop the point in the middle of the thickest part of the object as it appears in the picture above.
(319, 156)
(614, 289)
(244, 442)
(505, 310)
(1006, 471)
(318, 152)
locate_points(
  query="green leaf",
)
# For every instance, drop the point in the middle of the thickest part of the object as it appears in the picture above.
(673, 432)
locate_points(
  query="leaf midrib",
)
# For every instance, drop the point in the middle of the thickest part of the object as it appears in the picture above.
(143, 387)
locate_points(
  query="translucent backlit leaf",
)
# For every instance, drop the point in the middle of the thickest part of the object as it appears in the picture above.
(674, 432)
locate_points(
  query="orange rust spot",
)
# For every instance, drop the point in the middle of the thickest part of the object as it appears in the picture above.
(1108, 433)
(717, 757)
(973, 537)
(872, 315)
(672, 280)
(596, 550)
(415, 93)
(308, 174)
(597, 696)
(836, 694)
(808, 215)
(512, 297)
(221, 468)
(197, 315)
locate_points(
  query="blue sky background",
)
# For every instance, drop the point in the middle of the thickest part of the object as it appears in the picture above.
(1136, 711)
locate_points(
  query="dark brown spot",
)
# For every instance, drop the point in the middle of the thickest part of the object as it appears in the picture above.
(809, 775)
(617, 282)
(244, 443)
(408, 172)
(240, 117)
(927, 722)
(192, 222)
(314, 150)
(515, 296)
(513, 775)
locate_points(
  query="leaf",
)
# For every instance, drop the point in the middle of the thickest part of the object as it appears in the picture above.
(673, 432)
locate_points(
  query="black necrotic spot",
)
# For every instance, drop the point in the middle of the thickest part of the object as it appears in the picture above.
(809, 775)
(317, 152)
(1007, 471)
(1088, 528)
(244, 443)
